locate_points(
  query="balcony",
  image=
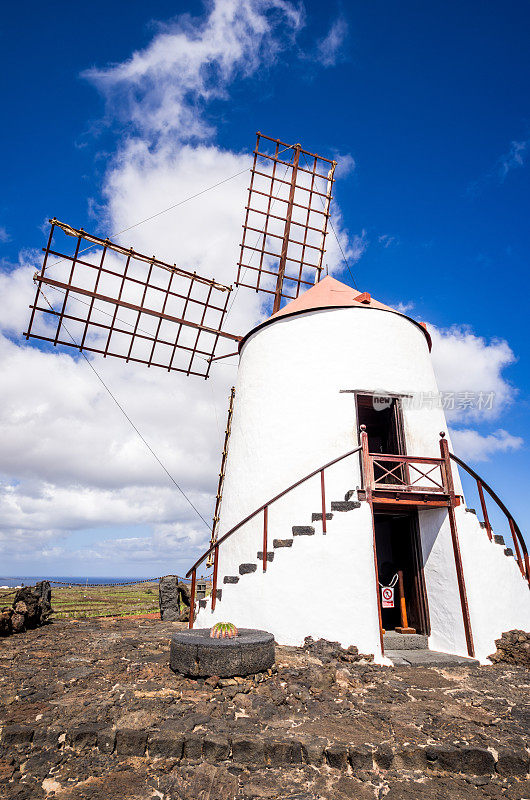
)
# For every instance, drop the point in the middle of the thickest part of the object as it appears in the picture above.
(407, 480)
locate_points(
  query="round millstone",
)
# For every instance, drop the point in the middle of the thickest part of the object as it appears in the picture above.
(194, 653)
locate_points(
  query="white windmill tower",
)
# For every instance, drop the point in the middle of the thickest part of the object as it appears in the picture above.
(335, 478)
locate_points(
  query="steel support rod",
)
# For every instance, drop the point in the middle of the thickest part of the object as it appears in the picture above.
(484, 510)
(265, 536)
(376, 571)
(214, 580)
(516, 546)
(461, 583)
(444, 450)
(323, 491)
(192, 598)
(368, 483)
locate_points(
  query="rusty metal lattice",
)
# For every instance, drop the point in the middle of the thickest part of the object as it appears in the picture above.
(285, 228)
(111, 300)
(391, 471)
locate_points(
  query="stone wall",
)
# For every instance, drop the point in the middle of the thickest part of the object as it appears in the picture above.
(31, 608)
(513, 648)
(174, 599)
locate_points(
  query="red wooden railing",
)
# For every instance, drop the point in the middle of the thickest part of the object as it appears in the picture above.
(393, 472)
(517, 537)
(265, 510)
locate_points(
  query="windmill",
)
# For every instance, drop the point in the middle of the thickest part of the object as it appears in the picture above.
(336, 397)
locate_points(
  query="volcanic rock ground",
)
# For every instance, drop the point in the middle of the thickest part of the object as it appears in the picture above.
(91, 710)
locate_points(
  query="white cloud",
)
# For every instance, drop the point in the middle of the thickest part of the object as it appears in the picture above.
(164, 88)
(404, 308)
(330, 49)
(4, 235)
(385, 240)
(465, 362)
(345, 165)
(470, 366)
(473, 446)
(514, 158)
(357, 246)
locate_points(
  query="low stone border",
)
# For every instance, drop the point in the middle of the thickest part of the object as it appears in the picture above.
(259, 751)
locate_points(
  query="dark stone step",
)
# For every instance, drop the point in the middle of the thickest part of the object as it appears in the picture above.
(202, 603)
(282, 543)
(428, 658)
(471, 511)
(508, 551)
(219, 593)
(499, 539)
(245, 569)
(303, 530)
(270, 556)
(344, 505)
(349, 494)
(231, 579)
(317, 517)
(405, 641)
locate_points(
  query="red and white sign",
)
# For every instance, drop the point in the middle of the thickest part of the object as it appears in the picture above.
(387, 596)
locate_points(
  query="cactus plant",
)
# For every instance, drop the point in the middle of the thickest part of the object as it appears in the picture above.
(223, 630)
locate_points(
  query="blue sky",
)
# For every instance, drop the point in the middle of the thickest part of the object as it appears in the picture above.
(429, 100)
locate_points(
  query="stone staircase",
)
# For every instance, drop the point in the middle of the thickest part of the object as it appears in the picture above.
(497, 538)
(247, 568)
(297, 530)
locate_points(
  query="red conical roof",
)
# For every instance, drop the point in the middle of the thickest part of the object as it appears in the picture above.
(329, 293)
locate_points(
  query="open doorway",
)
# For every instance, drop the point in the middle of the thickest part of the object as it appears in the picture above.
(398, 547)
(384, 423)
(383, 419)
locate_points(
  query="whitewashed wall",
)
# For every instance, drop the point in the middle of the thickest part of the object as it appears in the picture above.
(290, 415)
(498, 596)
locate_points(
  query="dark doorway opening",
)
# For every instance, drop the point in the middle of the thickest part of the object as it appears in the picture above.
(384, 424)
(383, 418)
(398, 547)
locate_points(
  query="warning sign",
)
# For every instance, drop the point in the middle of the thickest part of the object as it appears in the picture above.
(387, 595)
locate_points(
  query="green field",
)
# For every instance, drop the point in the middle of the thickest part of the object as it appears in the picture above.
(81, 602)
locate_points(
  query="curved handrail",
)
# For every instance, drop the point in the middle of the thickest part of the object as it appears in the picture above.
(514, 528)
(266, 505)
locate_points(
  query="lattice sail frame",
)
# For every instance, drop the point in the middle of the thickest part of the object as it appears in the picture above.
(288, 209)
(117, 302)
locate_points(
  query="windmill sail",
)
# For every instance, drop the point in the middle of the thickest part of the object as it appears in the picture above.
(285, 228)
(107, 299)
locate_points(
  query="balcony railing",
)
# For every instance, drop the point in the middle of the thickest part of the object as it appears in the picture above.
(406, 473)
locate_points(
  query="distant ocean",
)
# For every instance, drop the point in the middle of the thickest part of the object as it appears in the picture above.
(31, 580)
